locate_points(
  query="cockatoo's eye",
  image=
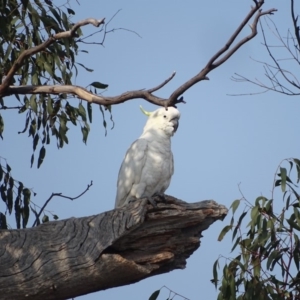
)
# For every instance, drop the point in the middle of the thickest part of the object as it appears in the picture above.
(165, 116)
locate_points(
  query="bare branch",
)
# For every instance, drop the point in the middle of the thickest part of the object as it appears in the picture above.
(62, 196)
(296, 27)
(9, 107)
(84, 94)
(266, 88)
(162, 84)
(282, 71)
(27, 53)
(214, 62)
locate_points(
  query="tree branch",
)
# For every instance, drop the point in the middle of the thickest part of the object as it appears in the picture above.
(214, 62)
(27, 53)
(296, 27)
(162, 84)
(58, 195)
(84, 94)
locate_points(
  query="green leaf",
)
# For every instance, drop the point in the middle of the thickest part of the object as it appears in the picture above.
(103, 116)
(1, 126)
(89, 70)
(32, 160)
(254, 213)
(71, 11)
(2, 192)
(48, 68)
(49, 106)
(215, 272)
(85, 131)
(293, 224)
(99, 85)
(33, 103)
(3, 224)
(8, 51)
(35, 141)
(10, 200)
(297, 161)
(25, 210)
(235, 204)
(41, 156)
(283, 178)
(26, 125)
(11, 182)
(55, 14)
(8, 168)
(32, 128)
(236, 243)
(82, 112)
(89, 109)
(223, 232)
(18, 212)
(45, 219)
(154, 295)
(235, 232)
(273, 255)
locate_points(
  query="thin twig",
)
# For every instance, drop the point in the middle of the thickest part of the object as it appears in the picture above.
(162, 84)
(62, 196)
(10, 107)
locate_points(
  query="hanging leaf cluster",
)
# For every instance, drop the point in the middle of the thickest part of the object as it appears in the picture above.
(15, 196)
(268, 262)
(26, 24)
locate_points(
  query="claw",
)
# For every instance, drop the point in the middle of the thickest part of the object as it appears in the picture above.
(161, 196)
(151, 200)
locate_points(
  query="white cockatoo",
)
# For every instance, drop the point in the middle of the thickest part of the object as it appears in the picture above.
(148, 165)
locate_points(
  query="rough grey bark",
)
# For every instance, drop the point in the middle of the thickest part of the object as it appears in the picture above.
(73, 257)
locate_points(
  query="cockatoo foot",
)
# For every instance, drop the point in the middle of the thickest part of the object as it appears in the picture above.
(161, 196)
(151, 200)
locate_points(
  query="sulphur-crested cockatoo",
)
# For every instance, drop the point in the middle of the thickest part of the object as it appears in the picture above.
(148, 165)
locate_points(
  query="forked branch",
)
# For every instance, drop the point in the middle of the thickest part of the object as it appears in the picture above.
(176, 97)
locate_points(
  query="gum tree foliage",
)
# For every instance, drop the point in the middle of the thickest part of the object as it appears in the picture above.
(267, 264)
(265, 236)
(25, 25)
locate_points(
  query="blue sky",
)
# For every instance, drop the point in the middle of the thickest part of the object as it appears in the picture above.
(222, 141)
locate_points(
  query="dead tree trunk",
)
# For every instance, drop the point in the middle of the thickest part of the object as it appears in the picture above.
(73, 257)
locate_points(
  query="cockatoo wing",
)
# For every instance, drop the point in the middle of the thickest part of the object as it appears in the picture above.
(131, 170)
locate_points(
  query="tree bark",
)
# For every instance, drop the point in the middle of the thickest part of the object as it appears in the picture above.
(77, 256)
